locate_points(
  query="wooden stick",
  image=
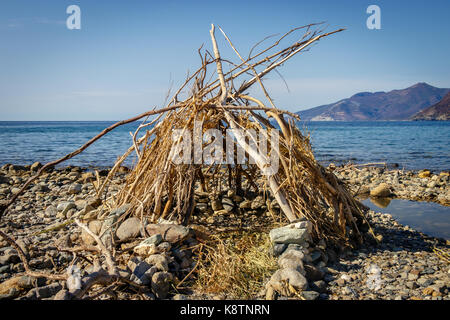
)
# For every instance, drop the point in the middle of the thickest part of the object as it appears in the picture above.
(260, 160)
(273, 66)
(209, 88)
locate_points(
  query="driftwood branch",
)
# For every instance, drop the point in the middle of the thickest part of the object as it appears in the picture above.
(261, 160)
(112, 267)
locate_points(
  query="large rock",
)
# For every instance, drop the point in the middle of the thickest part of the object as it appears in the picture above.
(296, 233)
(62, 295)
(117, 212)
(382, 190)
(51, 211)
(246, 204)
(278, 249)
(95, 226)
(35, 166)
(63, 209)
(129, 229)
(146, 278)
(80, 204)
(41, 188)
(138, 266)
(5, 269)
(292, 259)
(363, 190)
(170, 232)
(283, 277)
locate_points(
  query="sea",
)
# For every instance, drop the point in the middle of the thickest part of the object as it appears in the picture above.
(412, 145)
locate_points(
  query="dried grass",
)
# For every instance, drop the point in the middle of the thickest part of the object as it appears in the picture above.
(236, 267)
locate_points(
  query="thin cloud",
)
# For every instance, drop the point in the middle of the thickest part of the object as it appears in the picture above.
(19, 23)
(49, 21)
(92, 94)
(14, 23)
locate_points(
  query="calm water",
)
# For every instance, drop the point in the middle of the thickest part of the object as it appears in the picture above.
(427, 217)
(412, 145)
(27, 142)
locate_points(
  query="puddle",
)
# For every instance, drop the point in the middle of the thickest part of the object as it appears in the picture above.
(428, 217)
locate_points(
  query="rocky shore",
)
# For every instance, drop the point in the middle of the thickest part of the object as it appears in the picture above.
(422, 185)
(406, 264)
(42, 225)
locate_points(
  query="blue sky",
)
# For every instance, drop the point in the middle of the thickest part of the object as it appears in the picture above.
(126, 54)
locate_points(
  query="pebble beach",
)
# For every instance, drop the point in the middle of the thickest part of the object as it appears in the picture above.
(405, 265)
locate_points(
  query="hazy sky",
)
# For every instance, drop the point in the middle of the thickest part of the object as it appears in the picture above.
(126, 54)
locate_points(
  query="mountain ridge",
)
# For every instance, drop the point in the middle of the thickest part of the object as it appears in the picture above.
(399, 104)
(438, 111)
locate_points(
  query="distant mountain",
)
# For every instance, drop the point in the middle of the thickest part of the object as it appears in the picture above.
(438, 111)
(392, 105)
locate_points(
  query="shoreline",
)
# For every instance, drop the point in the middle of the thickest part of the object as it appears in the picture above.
(415, 185)
(409, 266)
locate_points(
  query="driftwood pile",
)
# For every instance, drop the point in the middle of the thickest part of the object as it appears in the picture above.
(160, 189)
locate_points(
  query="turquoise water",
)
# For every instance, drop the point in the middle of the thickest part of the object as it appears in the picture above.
(412, 145)
(427, 217)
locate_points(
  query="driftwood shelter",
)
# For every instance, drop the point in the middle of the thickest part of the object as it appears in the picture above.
(160, 189)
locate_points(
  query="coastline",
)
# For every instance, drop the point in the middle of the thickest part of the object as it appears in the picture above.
(407, 259)
(421, 185)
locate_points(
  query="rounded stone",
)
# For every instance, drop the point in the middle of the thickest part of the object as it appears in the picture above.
(129, 229)
(382, 190)
(95, 226)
